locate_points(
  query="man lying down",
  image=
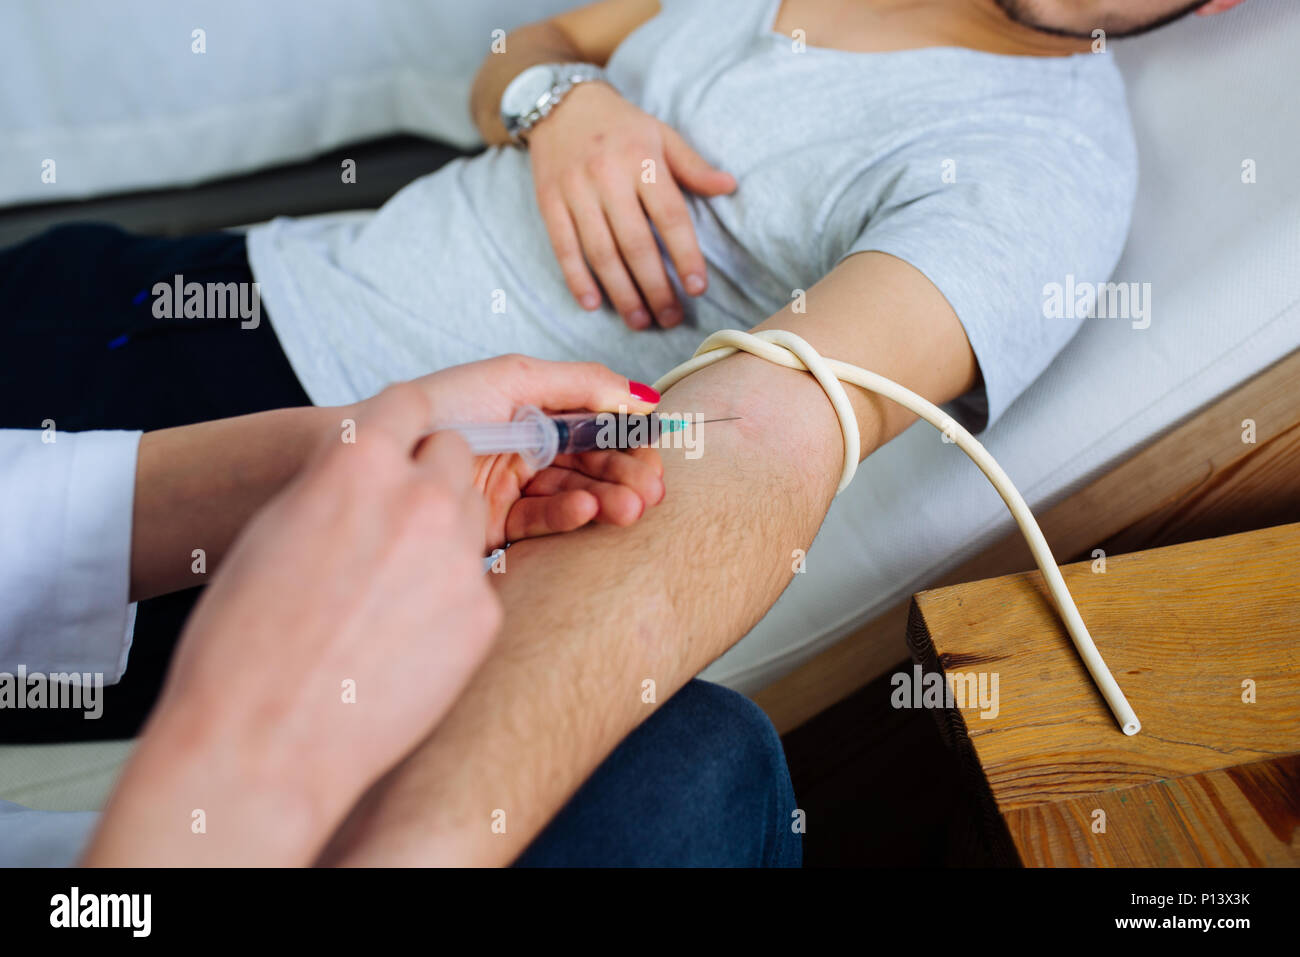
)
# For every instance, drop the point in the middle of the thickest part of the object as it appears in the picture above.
(894, 182)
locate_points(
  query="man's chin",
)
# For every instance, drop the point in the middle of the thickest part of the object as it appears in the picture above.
(1054, 17)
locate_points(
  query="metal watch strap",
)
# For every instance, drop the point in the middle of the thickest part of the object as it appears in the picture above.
(569, 76)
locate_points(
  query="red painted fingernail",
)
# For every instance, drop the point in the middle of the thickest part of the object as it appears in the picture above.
(643, 392)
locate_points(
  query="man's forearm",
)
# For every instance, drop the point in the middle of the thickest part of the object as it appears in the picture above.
(592, 615)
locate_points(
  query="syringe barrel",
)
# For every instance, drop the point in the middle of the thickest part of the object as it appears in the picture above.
(539, 456)
(531, 434)
(589, 431)
(538, 437)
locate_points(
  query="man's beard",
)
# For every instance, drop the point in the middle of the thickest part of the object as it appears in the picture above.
(1022, 11)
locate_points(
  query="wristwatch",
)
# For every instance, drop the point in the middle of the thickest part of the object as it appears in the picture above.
(538, 90)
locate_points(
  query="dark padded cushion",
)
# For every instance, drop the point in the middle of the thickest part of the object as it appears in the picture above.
(301, 189)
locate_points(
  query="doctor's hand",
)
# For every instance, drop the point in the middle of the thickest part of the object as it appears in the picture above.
(610, 487)
(592, 159)
(348, 616)
(202, 483)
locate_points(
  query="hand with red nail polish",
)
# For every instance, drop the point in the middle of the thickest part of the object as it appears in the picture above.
(608, 486)
(643, 392)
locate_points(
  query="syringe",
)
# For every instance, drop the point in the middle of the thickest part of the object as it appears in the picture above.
(538, 438)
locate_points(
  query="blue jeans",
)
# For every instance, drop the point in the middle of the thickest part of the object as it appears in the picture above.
(702, 783)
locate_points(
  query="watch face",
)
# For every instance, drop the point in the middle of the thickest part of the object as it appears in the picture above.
(527, 90)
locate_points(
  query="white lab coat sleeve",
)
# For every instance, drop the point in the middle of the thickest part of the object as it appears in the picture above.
(65, 551)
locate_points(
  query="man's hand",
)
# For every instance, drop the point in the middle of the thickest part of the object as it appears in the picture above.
(590, 157)
(346, 619)
(610, 487)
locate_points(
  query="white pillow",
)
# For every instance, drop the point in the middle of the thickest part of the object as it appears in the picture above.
(116, 96)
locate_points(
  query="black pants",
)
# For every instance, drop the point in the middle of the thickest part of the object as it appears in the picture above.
(81, 346)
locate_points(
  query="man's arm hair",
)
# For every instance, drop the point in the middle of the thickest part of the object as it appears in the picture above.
(593, 614)
(589, 34)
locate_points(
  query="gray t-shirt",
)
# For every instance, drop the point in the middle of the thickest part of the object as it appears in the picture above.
(993, 175)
